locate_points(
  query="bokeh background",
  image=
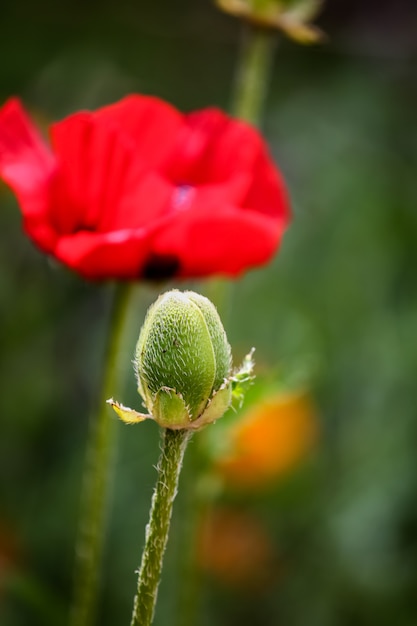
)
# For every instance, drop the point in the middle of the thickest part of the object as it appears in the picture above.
(333, 537)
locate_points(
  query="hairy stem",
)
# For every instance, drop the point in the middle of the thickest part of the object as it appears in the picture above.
(169, 467)
(98, 472)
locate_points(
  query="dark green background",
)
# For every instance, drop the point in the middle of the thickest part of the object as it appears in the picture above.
(338, 301)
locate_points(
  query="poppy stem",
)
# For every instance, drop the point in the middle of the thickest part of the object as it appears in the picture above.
(251, 87)
(169, 467)
(101, 446)
(253, 74)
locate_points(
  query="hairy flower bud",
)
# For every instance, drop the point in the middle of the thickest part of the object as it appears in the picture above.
(182, 359)
(183, 364)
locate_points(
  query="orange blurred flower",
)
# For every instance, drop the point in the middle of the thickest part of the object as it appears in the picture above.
(269, 440)
(234, 546)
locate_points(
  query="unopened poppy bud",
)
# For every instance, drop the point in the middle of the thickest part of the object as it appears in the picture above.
(183, 364)
(183, 359)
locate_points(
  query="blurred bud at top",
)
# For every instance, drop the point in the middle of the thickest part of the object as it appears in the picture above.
(293, 17)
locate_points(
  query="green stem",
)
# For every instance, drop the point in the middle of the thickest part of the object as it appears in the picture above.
(169, 467)
(98, 471)
(251, 87)
(253, 74)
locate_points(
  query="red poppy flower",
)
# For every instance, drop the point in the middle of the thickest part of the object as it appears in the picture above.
(138, 190)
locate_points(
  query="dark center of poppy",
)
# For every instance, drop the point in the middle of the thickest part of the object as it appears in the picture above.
(160, 267)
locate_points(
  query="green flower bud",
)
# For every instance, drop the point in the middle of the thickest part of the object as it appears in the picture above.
(183, 365)
(183, 359)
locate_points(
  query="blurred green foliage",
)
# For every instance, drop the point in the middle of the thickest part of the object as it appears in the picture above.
(339, 300)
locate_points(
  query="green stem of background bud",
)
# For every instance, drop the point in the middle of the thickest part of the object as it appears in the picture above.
(253, 73)
(98, 472)
(169, 467)
(251, 87)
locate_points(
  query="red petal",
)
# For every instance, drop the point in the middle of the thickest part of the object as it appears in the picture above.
(215, 240)
(93, 162)
(213, 148)
(152, 124)
(268, 193)
(27, 165)
(145, 200)
(102, 185)
(186, 198)
(119, 255)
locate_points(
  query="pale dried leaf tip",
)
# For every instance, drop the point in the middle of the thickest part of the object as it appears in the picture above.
(126, 414)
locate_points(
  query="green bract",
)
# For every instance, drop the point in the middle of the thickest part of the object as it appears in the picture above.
(183, 364)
